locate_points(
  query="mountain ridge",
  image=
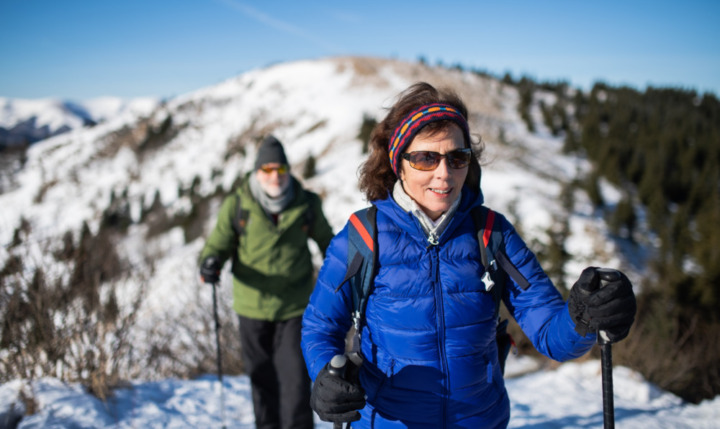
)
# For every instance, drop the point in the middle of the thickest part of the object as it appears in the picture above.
(26, 121)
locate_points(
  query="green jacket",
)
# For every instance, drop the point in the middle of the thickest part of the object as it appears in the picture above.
(272, 266)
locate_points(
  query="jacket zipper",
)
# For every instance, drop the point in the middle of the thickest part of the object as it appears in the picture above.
(441, 328)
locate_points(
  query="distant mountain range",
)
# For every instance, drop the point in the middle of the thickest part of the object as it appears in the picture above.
(26, 121)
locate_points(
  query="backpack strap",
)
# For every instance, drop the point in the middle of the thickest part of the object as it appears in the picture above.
(497, 269)
(240, 219)
(309, 215)
(492, 252)
(238, 225)
(490, 241)
(361, 262)
(362, 243)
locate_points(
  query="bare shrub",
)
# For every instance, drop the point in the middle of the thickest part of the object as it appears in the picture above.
(71, 327)
(157, 135)
(316, 126)
(46, 186)
(677, 351)
(159, 220)
(156, 217)
(190, 350)
(251, 135)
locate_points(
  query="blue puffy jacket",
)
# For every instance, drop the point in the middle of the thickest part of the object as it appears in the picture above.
(431, 359)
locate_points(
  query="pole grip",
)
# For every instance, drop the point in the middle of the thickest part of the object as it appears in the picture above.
(607, 275)
(337, 367)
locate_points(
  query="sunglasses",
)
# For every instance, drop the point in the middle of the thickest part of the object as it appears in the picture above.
(281, 169)
(425, 160)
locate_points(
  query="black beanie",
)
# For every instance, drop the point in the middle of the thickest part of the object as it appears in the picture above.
(270, 151)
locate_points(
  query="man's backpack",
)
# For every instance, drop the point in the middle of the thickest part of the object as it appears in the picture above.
(362, 259)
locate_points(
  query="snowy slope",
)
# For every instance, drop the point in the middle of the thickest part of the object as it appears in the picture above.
(316, 108)
(569, 397)
(207, 138)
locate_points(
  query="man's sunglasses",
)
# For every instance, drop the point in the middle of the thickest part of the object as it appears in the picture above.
(425, 160)
(282, 169)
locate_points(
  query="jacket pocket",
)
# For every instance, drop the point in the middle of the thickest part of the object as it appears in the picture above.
(373, 380)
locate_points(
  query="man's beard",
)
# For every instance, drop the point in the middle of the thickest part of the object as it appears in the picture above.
(273, 191)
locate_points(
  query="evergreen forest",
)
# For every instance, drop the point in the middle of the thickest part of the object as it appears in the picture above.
(661, 147)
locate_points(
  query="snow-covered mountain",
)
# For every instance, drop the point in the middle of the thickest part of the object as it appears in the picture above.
(175, 160)
(316, 108)
(25, 121)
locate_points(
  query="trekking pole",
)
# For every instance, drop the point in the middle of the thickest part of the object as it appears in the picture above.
(337, 367)
(607, 275)
(219, 358)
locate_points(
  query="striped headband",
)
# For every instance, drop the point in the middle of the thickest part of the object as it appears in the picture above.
(415, 120)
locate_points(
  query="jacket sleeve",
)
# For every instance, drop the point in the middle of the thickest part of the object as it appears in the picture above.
(539, 309)
(222, 241)
(321, 231)
(327, 317)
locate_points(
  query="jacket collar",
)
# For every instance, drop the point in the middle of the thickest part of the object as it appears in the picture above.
(407, 221)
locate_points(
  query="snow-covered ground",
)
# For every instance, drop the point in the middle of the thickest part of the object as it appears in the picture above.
(567, 397)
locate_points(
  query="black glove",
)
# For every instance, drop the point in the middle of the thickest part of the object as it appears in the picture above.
(610, 308)
(210, 269)
(336, 399)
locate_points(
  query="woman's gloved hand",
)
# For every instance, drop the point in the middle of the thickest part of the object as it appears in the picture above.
(610, 308)
(336, 398)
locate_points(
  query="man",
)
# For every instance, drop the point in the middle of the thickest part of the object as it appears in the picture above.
(264, 227)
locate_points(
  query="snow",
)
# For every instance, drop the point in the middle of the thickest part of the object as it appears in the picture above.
(568, 397)
(316, 108)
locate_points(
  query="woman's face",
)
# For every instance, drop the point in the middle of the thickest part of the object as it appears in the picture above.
(434, 190)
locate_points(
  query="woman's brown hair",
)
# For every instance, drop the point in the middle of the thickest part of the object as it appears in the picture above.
(376, 174)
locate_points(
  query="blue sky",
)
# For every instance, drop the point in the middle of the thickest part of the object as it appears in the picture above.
(82, 49)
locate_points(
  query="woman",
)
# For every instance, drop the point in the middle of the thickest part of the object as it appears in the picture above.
(428, 339)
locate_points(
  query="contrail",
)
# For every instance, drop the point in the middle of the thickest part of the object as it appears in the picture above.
(279, 25)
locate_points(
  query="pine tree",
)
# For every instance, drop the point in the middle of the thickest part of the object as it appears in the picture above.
(624, 219)
(309, 168)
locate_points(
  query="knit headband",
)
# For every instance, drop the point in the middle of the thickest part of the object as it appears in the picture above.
(415, 120)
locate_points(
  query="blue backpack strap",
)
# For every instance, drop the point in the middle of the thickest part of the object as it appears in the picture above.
(492, 251)
(361, 262)
(497, 267)
(361, 259)
(490, 241)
